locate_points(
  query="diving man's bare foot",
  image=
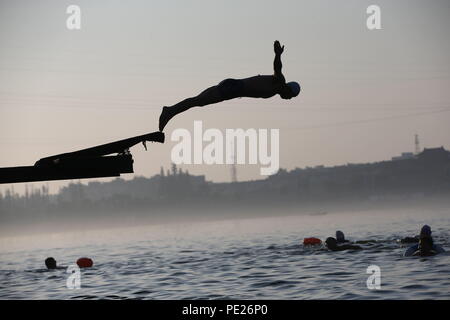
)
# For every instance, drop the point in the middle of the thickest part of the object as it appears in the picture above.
(165, 116)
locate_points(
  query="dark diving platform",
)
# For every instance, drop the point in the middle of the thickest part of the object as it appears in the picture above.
(95, 162)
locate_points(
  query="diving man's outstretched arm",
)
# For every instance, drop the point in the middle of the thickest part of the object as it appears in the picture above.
(277, 65)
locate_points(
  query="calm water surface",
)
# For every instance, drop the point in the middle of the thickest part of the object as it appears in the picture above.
(239, 259)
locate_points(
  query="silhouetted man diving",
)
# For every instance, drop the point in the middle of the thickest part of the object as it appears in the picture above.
(265, 86)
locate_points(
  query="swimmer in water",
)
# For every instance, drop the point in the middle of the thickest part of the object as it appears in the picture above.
(332, 244)
(426, 246)
(50, 263)
(340, 237)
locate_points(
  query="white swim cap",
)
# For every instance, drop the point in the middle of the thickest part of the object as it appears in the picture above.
(295, 88)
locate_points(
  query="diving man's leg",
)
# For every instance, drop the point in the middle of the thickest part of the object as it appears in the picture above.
(209, 96)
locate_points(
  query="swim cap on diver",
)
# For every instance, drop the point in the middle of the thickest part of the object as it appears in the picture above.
(340, 236)
(295, 88)
(425, 231)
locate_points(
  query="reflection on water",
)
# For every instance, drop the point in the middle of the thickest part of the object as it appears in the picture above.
(239, 259)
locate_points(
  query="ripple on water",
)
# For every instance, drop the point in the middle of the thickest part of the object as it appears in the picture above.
(273, 283)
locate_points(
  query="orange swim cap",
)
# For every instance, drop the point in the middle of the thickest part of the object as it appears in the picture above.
(311, 241)
(85, 263)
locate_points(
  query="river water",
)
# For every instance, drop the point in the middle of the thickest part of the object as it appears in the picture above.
(258, 258)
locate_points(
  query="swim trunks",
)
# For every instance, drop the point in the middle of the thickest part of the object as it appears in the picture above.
(231, 88)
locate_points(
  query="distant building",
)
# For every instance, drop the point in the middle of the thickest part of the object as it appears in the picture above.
(404, 156)
(434, 155)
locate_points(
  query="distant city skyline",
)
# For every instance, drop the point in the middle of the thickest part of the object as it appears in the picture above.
(411, 181)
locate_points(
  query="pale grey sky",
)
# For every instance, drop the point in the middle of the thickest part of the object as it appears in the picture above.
(364, 93)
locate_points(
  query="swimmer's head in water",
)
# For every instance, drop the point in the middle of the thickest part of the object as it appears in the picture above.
(290, 90)
(331, 242)
(340, 236)
(425, 231)
(50, 263)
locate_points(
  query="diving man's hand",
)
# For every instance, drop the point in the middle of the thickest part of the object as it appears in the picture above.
(277, 47)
